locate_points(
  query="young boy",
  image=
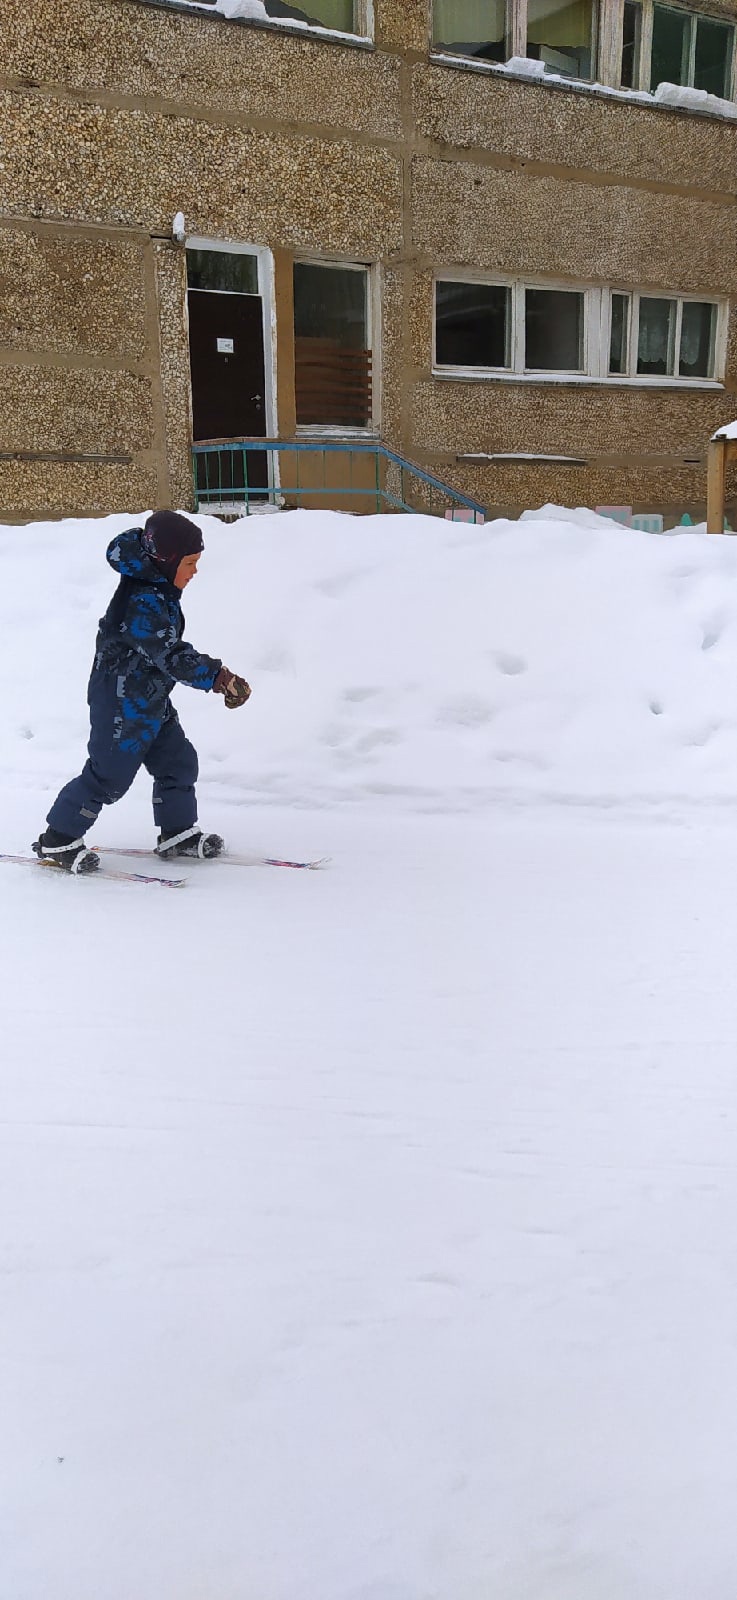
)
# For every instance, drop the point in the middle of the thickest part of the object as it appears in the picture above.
(140, 655)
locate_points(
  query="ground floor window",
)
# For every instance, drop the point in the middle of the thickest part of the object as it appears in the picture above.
(559, 33)
(510, 327)
(665, 44)
(652, 336)
(517, 328)
(332, 345)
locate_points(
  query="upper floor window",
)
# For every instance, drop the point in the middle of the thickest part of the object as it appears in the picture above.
(560, 33)
(665, 44)
(471, 28)
(338, 16)
(536, 329)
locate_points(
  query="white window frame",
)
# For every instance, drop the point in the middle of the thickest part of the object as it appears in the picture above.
(596, 335)
(635, 297)
(326, 430)
(516, 369)
(515, 36)
(643, 52)
(364, 33)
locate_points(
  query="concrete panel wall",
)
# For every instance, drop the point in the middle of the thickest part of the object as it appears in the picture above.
(556, 127)
(513, 223)
(119, 50)
(113, 119)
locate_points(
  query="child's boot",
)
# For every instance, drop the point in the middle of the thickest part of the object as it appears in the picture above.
(71, 854)
(191, 842)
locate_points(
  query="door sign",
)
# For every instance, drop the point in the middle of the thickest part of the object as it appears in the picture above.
(225, 347)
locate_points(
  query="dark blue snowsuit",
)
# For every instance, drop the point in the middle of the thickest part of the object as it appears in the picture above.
(140, 654)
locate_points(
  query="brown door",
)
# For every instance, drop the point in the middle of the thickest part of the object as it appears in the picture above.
(226, 355)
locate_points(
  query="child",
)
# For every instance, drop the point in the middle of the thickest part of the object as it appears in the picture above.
(140, 655)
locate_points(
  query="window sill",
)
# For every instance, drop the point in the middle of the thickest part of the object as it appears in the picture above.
(317, 430)
(296, 30)
(470, 375)
(527, 458)
(519, 73)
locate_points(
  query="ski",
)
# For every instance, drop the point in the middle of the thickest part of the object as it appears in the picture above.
(102, 872)
(224, 860)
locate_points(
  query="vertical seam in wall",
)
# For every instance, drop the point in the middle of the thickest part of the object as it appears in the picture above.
(405, 344)
(153, 341)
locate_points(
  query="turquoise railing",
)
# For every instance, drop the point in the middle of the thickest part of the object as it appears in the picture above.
(239, 474)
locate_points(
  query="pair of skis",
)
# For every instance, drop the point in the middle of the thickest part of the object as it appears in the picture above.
(153, 877)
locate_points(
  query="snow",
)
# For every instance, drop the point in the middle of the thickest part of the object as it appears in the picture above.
(368, 1234)
(430, 663)
(674, 94)
(255, 11)
(729, 431)
(243, 8)
(525, 67)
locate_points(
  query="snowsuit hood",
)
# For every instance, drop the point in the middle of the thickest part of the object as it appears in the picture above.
(127, 557)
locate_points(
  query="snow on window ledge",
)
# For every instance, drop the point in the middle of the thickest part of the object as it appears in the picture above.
(673, 94)
(255, 11)
(592, 379)
(668, 96)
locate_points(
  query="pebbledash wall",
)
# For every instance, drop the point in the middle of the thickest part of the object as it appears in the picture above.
(117, 114)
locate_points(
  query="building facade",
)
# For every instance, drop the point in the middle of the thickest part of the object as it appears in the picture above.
(497, 234)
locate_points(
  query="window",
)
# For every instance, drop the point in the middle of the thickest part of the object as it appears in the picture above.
(631, 31)
(471, 28)
(559, 33)
(686, 48)
(553, 330)
(662, 338)
(473, 323)
(332, 347)
(342, 16)
(509, 327)
(517, 329)
(226, 271)
(619, 334)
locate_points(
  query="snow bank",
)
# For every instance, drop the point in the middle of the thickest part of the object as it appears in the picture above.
(427, 663)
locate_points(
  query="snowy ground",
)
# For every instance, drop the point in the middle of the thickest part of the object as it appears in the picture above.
(369, 1234)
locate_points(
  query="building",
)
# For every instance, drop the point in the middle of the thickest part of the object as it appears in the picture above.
(485, 231)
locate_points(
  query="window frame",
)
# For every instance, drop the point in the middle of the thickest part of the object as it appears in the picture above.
(364, 35)
(326, 430)
(266, 292)
(635, 297)
(643, 56)
(596, 334)
(515, 43)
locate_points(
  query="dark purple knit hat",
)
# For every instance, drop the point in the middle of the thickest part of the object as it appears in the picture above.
(167, 537)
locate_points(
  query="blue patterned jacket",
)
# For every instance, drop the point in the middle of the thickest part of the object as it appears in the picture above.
(140, 653)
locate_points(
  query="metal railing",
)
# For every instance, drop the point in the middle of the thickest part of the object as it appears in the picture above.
(237, 475)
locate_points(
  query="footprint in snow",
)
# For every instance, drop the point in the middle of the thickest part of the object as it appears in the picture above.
(509, 664)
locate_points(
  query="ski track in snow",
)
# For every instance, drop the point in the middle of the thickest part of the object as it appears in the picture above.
(369, 1234)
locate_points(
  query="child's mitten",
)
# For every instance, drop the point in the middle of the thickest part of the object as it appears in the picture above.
(235, 689)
